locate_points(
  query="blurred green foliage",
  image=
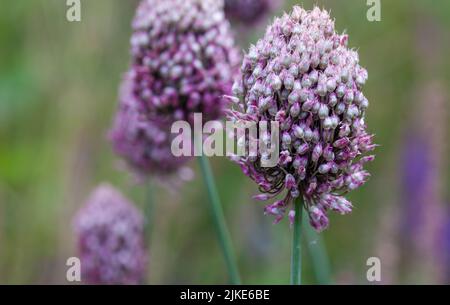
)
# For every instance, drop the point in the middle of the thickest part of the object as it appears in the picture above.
(58, 92)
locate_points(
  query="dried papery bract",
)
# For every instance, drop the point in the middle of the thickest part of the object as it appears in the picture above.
(110, 232)
(303, 75)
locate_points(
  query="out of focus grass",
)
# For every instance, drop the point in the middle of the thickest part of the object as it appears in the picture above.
(58, 92)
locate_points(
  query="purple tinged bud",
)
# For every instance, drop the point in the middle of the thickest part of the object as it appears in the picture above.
(293, 97)
(334, 122)
(295, 110)
(359, 97)
(349, 96)
(289, 181)
(302, 149)
(345, 75)
(289, 82)
(341, 143)
(316, 107)
(327, 123)
(324, 168)
(340, 91)
(298, 132)
(340, 108)
(323, 111)
(297, 162)
(316, 136)
(317, 152)
(367, 159)
(301, 172)
(285, 158)
(332, 100)
(262, 197)
(275, 83)
(352, 111)
(321, 89)
(331, 85)
(308, 134)
(364, 104)
(344, 130)
(314, 77)
(304, 94)
(286, 138)
(317, 218)
(328, 153)
(334, 168)
(308, 105)
(306, 82)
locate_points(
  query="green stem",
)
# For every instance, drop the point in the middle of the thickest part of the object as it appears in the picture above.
(296, 254)
(148, 208)
(219, 221)
(318, 253)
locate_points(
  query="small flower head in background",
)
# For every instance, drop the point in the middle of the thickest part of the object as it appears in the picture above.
(303, 75)
(145, 144)
(110, 233)
(183, 59)
(249, 12)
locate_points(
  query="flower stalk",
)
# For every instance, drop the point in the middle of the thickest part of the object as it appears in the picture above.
(219, 221)
(318, 254)
(296, 254)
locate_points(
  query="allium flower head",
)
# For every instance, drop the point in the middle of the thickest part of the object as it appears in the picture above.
(184, 59)
(303, 75)
(144, 143)
(249, 11)
(110, 239)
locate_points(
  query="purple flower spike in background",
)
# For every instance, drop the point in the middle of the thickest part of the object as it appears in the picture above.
(303, 75)
(145, 144)
(249, 12)
(183, 59)
(110, 233)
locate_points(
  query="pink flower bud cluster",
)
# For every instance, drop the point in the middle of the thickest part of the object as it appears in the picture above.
(303, 75)
(183, 62)
(110, 233)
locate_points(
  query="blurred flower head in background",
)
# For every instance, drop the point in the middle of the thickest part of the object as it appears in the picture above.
(303, 75)
(110, 233)
(423, 158)
(183, 62)
(144, 144)
(183, 58)
(249, 12)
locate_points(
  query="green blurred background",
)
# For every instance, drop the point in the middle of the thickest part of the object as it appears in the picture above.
(58, 93)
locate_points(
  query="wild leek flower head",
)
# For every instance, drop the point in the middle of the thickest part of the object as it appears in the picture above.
(145, 144)
(110, 239)
(303, 75)
(249, 12)
(184, 59)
